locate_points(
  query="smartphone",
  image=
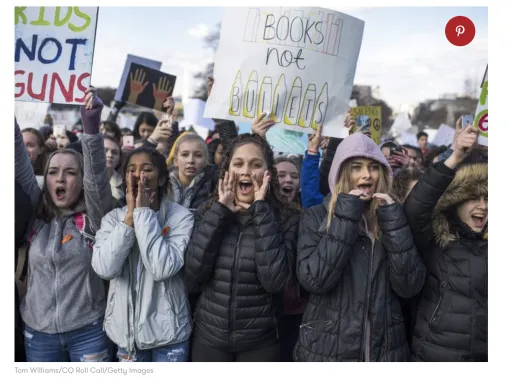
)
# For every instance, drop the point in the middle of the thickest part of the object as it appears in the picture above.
(59, 130)
(128, 141)
(467, 119)
(396, 149)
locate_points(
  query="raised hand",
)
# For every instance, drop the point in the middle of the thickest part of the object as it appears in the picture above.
(130, 200)
(314, 141)
(465, 142)
(169, 105)
(136, 85)
(261, 191)
(145, 195)
(226, 191)
(350, 121)
(384, 199)
(162, 132)
(361, 194)
(161, 92)
(260, 126)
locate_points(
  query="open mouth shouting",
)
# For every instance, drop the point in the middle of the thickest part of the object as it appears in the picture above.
(245, 187)
(60, 193)
(365, 188)
(479, 220)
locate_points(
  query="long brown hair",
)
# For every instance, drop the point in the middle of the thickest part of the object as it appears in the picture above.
(344, 186)
(274, 197)
(47, 210)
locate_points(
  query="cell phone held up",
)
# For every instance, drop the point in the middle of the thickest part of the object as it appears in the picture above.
(396, 150)
(467, 119)
(128, 141)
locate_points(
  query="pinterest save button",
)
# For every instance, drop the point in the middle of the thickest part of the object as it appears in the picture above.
(460, 31)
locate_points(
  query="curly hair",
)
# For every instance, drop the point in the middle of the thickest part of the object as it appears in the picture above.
(401, 182)
(274, 196)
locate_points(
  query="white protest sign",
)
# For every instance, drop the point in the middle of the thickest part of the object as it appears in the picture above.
(53, 52)
(194, 114)
(482, 112)
(297, 64)
(131, 59)
(30, 114)
(65, 117)
(444, 136)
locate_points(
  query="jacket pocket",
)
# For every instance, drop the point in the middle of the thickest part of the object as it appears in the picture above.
(435, 317)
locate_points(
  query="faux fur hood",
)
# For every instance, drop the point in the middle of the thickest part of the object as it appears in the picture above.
(470, 182)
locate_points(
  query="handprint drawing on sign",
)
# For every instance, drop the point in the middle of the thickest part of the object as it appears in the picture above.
(161, 92)
(136, 85)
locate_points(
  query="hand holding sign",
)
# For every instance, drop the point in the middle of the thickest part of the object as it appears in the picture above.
(161, 92)
(136, 85)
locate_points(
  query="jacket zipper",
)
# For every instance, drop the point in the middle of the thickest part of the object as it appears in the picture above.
(57, 319)
(441, 293)
(232, 298)
(366, 324)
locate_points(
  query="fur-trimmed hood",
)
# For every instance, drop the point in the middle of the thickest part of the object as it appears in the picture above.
(470, 182)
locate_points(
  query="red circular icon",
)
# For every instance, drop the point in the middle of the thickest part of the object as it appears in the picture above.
(483, 124)
(460, 31)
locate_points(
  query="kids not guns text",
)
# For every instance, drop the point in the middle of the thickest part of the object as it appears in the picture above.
(48, 51)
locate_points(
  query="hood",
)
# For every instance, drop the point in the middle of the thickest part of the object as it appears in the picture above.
(470, 182)
(356, 145)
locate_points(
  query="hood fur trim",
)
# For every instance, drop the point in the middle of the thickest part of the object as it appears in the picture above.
(470, 182)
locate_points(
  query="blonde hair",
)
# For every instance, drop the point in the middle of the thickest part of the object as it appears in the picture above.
(344, 186)
(186, 137)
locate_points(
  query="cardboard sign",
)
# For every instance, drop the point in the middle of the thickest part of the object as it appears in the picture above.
(482, 112)
(297, 64)
(368, 118)
(148, 87)
(125, 73)
(53, 52)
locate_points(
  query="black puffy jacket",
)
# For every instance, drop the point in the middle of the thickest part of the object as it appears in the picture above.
(241, 263)
(451, 320)
(353, 312)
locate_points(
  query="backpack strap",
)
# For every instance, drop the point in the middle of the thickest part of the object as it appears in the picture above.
(82, 223)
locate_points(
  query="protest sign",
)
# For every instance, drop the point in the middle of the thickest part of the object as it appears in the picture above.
(147, 87)
(124, 78)
(30, 114)
(194, 114)
(482, 112)
(297, 64)
(54, 48)
(444, 136)
(368, 118)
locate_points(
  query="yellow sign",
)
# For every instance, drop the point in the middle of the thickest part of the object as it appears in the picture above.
(368, 118)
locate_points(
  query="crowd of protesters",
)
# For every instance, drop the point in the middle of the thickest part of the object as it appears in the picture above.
(168, 247)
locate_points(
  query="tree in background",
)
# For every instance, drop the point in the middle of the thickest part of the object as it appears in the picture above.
(211, 41)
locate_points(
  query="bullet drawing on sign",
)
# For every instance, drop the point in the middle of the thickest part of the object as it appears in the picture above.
(293, 103)
(250, 96)
(319, 113)
(280, 95)
(265, 96)
(306, 113)
(236, 95)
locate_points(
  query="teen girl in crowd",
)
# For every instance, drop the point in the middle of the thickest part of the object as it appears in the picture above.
(449, 214)
(240, 258)
(65, 303)
(355, 257)
(113, 155)
(140, 250)
(37, 152)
